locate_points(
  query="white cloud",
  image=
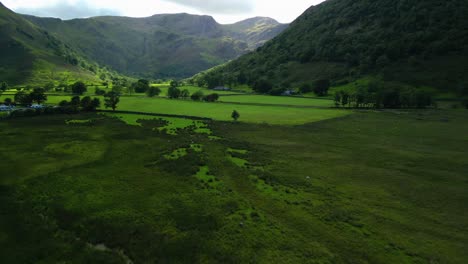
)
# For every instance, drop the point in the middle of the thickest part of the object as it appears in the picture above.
(224, 11)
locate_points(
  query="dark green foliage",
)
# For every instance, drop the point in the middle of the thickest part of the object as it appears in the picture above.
(3, 86)
(38, 95)
(413, 42)
(321, 87)
(153, 91)
(211, 98)
(197, 96)
(23, 98)
(90, 105)
(305, 88)
(99, 92)
(75, 101)
(111, 99)
(263, 86)
(79, 88)
(173, 92)
(8, 101)
(141, 86)
(465, 102)
(174, 84)
(235, 115)
(185, 94)
(385, 95)
(49, 86)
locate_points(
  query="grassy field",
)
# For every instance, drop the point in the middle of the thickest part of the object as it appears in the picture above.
(372, 187)
(277, 100)
(222, 111)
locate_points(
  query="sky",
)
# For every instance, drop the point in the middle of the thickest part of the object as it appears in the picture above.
(224, 11)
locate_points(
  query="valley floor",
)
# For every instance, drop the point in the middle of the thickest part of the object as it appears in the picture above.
(366, 187)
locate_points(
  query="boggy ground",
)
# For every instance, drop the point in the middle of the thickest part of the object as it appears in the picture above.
(371, 187)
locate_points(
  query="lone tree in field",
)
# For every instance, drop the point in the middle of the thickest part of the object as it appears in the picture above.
(153, 91)
(235, 115)
(111, 99)
(38, 95)
(173, 92)
(79, 88)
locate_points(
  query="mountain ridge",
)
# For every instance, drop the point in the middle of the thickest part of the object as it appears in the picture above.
(158, 46)
(419, 43)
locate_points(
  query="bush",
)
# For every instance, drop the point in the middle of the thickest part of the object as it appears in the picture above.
(197, 96)
(211, 98)
(262, 86)
(153, 91)
(305, 88)
(79, 88)
(321, 87)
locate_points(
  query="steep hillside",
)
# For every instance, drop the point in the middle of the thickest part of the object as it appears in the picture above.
(416, 42)
(29, 54)
(176, 45)
(255, 31)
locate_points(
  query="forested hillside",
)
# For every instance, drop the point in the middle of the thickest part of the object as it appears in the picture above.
(31, 54)
(408, 41)
(160, 46)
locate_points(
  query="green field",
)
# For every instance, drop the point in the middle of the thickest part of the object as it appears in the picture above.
(372, 187)
(277, 100)
(222, 111)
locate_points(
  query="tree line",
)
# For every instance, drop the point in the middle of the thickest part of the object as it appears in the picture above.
(384, 95)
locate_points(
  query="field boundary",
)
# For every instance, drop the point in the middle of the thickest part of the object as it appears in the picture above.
(154, 114)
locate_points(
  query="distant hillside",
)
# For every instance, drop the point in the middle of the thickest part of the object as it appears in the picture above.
(255, 31)
(410, 41)
(160, 46)
(29, 54)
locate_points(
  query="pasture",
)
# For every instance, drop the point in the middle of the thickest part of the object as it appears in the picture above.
(252, 113)
(372, 187)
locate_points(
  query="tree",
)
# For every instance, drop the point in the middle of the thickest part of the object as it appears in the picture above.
(3, 86)
(8, 101)
(141, 86)
(337, 99)
(344, 98)
(211, 98)
(49, 86)
(305, 88)
(197, 96)
(90, 105)
(321, 87)
(153, 91)
(262, 86)
(99, 92)
(111, 99)
(185, 94)
(173, 92)
(174, 84)
(75, 101)
(38, 95)
(23, 98)
(235, 115)
(79, 88)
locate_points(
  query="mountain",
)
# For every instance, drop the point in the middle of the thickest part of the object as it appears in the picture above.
(29, 54)
(422, 43)
(255, 31)
(160, 46)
